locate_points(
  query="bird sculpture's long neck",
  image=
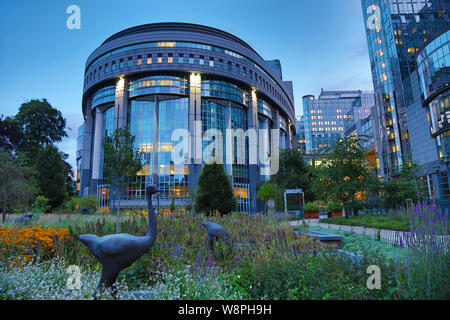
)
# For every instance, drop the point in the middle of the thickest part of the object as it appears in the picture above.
(152, 227)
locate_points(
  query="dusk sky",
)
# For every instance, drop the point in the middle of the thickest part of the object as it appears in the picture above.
(321, 44)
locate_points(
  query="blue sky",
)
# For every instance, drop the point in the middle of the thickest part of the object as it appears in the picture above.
(321, 44)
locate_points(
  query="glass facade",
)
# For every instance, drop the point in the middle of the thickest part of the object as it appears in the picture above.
(394, 38)
(158, 84)
(224, 90)
(104, 95)
(173, 178)
(325, 119)
(159, 88)
(434, 73)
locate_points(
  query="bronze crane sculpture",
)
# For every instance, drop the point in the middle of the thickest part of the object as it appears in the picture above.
(116, 252)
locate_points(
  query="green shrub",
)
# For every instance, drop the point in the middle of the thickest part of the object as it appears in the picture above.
(267, 191)
(333, 206)
(311, 207)
(77, 204)
(41, 205)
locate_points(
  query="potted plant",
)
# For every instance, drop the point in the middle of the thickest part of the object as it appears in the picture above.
(335, 208)
(311, 210)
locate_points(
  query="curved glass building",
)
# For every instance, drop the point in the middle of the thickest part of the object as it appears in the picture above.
(433, 65)
(160, 78)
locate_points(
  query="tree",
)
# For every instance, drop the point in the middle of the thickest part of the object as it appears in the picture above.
(396, 192)
(11, 135)
(121, 159)
(51, 177)
(214, 191)
(16, 184)
(68, 173)
(343, 177)
(267, 192)
(293, 173)
(41, 124)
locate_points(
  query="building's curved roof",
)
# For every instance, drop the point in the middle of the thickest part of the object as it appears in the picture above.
(177, 26)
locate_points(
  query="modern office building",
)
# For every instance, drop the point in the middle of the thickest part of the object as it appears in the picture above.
(395, 32)
(433, 68)
(363, 128)
(158, 78)
(301, 140)
(326, 116)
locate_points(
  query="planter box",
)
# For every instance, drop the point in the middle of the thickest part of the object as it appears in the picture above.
(311, 215)
(336, 214)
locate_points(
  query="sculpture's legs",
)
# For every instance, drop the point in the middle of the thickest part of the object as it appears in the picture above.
(211, 243)
(101, 285)
(111, 283)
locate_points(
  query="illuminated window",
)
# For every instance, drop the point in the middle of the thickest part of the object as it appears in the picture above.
(170, 58)
(411, 50)
(149, 59)
(139, 60)
(159, 57)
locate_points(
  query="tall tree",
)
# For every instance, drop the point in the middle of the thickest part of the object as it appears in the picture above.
(11, 135)
(395, 192)
(16, 184)
(49, 167)
(344, 177)
(293, 173)
(121, 159)
(41, 124)
(214, 191)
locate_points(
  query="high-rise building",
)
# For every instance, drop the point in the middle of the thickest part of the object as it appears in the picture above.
(325, 117)
(160, 77)
(395, 31)
(433, 63)
(301, 142)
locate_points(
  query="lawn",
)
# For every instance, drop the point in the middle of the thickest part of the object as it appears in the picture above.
(371, 220)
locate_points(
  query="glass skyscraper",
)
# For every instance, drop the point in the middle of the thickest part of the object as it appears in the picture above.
(395, 31)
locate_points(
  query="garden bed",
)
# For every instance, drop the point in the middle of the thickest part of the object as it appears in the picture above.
(377, 221)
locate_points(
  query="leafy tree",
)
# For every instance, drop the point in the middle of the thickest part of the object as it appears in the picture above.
(267, 191)
(344, 176)
(11, 135)
(70, 186)
(121, 159)
(293, 173)
(214, 191)
(395, 192)
(50, 174)
(16, 183)
(41, 124)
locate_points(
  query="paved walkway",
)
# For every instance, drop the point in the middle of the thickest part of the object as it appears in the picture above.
(392, 237)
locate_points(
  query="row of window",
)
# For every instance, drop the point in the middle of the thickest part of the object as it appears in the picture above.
(184, 58)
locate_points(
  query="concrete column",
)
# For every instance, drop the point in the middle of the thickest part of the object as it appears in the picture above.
(85, 175)
(289, 144)
(96, 154)
(228, 145)
(195, 130)
(254, 172)
(121, 104)
(155, 168)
